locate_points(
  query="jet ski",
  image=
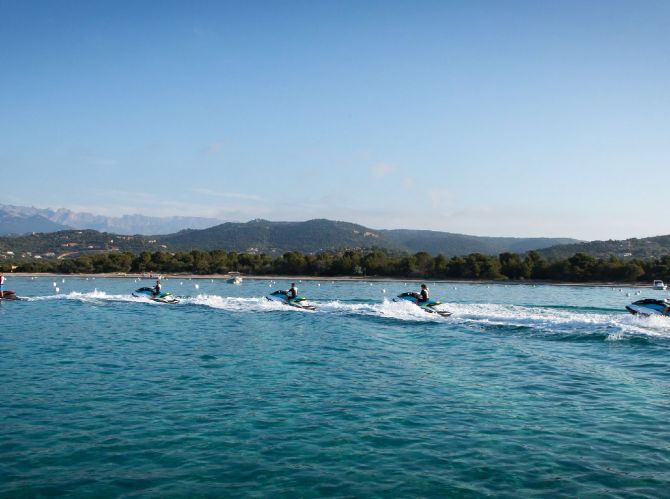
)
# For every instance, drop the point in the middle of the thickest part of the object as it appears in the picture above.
(9, 295)
(428, 306)
(297, 302)
(649, 306)
(164, 297)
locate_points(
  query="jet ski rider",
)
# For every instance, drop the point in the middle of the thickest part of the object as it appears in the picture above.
(157, 287)
(2, 283)
(422, 296)
(292, 293)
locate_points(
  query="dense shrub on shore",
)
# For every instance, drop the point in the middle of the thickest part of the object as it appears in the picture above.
(578, 268)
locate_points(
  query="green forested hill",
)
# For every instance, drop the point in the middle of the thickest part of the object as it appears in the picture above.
(322, 235)
(647, 247)
(450, 244)
(262, 236)
(75, 242)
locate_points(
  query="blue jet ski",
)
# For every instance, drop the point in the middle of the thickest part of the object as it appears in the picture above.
(297, 302)
(428, 306)
(649, 306)
(164, 297)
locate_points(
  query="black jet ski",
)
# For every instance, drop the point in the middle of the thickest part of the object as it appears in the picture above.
(297, 302)
(428, 306)
(649, 306)
(149, 293)
(9, 296)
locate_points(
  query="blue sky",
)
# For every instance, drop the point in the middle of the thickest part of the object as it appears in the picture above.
(493, 118)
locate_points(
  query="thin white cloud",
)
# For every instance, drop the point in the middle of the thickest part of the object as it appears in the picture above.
(440, 198)
(382, 170)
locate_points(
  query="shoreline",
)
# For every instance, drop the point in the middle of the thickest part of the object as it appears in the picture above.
(527, 282)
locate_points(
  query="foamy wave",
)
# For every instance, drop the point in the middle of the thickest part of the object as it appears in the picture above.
(402, 310)
(235, 304)
(551, 320)
(388, 309)
(615, 326)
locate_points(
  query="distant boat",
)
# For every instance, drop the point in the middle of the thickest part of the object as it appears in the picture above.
(235, 279)
(658, 284)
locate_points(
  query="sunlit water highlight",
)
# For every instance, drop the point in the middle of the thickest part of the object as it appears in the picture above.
(525, 390)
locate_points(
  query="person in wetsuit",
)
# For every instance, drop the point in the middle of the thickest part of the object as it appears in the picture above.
(423, 294)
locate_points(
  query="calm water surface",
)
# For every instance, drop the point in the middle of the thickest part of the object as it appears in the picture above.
(525, 390)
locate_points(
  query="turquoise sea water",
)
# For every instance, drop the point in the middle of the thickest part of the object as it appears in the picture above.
(524, 391)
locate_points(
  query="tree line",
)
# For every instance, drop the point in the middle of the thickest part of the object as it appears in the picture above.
(506, 266)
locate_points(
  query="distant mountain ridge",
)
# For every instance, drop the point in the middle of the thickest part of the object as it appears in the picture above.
(21, 224)
(67, 219)
(262, 236)
(100, 233)
(55, 234)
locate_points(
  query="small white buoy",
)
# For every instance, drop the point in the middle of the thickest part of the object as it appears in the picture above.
(63, 281)
(384, 291)
(55, 284)
(197, 286)
(181, 283)
(57, 290)
(318, 284)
